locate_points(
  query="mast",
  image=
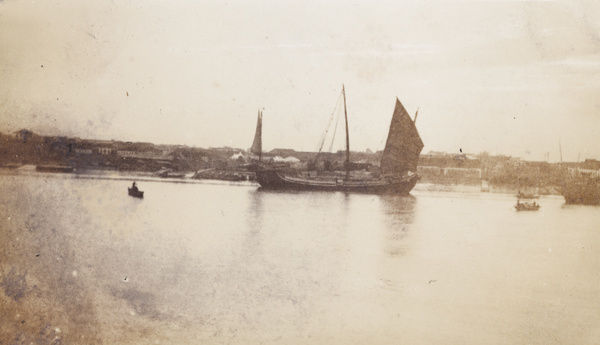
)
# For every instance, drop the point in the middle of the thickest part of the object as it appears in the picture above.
(260, 148)
(347, 136)
(560, 150)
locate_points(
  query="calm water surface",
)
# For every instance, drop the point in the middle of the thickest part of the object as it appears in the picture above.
(83, 263)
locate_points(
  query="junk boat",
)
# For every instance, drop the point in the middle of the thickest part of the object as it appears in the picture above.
(397, 169)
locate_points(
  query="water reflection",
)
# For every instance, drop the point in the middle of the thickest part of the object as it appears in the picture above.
(400, 214)
(255, 213)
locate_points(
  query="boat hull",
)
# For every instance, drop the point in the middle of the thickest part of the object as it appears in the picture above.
(527, 207)
(273, 179)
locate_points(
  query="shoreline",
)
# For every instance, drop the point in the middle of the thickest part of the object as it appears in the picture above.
(140, 176)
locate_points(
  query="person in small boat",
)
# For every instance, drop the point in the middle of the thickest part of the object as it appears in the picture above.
(134, 187)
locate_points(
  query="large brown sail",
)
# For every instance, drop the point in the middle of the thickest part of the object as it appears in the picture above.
(403, 146)
(257, 143)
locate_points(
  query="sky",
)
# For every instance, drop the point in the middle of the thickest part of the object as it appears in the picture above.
(510, 77)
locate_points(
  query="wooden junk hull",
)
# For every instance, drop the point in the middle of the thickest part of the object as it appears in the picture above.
(272, 179)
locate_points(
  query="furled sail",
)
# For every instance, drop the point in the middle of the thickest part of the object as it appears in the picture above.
(257, 144)
(403, 146)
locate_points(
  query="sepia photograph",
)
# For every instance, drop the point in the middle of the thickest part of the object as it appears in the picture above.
(300, 172)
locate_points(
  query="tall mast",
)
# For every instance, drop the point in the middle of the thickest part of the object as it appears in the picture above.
(347, 136)
(560, 149)
(260, 152)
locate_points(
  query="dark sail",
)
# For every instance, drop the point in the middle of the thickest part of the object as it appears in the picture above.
(403, 146)
(257, 144)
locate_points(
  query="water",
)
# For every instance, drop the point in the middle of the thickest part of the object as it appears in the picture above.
(209, 263)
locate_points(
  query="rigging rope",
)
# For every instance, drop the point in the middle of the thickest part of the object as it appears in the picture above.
(324, 136)
(334, 131)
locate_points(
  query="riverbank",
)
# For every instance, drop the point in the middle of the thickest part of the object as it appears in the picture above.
(424, 185)
(100, 174)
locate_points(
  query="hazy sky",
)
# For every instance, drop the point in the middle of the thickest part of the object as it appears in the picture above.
(507, 77)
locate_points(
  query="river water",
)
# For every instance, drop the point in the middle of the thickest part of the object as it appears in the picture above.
(214, 263)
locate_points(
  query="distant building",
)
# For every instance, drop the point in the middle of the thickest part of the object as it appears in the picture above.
(450, 172)
(591, 164)
(126, 153)
(584, 173)
(289, 159)
(462, 172)
(429, 170)
(224, 149)
(145, 155)
(238, 156)
(283, 152)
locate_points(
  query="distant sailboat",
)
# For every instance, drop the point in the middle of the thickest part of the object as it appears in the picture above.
(398, 163)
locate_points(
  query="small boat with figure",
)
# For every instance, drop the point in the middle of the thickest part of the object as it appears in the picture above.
(527, 206)
(134, 191)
